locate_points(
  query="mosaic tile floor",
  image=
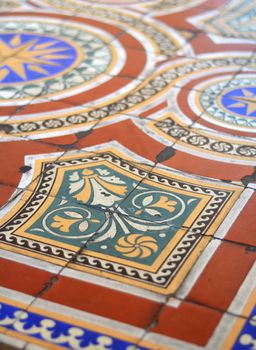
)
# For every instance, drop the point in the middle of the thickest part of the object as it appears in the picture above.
(128, 174)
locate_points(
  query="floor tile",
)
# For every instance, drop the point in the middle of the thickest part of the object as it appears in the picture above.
(22, 277)
(226, 22)
(46, 212)
(240, 231)
(232, 328)
(13, 159)
(191, 326)
(116, 305)
(95, 330)
(127, 178)
(5, 194)
(224, 270)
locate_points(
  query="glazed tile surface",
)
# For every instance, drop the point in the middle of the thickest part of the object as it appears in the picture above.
(127, 181)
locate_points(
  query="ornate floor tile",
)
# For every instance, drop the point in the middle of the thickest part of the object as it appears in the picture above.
(66, 335)
(75, 65)
(103, 202)
(210, 113)
(33, 323)
(157, 7)
(127, 175)
(41, 57)
(232, 22)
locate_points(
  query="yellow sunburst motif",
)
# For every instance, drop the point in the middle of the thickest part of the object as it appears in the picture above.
(16, 56)
(248, 100)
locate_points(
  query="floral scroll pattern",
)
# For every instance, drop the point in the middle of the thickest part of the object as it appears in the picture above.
(115, 218)
(107, 211)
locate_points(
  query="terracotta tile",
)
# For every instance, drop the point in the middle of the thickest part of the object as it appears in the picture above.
(214, 3)
(242, 229)
(12, 155)
(127, 178)
(23, 278)
(189, 322)
(92, 328)
(8, 347)
(5, 194)
(67, 140)
(222, 277)
(182, 329)
(102, 301)
(127, 134)
(202, 43)
(206, 167)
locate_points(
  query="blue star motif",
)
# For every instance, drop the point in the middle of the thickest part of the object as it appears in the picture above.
(241, 101)
(28, 57)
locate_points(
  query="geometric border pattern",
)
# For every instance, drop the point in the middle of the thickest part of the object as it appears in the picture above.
(217, 198)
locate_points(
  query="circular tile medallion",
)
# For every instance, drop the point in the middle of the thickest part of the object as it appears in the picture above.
(230, 104)
(209, 114)
(241, 101)
(71, 73)
(41, 57)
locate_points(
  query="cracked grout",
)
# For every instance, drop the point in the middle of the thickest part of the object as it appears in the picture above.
(54, 279)
(93, 107)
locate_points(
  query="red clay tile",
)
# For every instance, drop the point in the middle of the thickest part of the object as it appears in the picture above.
(115, 114)
(224, 274)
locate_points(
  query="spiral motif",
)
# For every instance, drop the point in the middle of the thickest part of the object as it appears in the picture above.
(198, 140)
(136, 246)
(26, 127)
(53, 123)
(247, 151)
(222, 147)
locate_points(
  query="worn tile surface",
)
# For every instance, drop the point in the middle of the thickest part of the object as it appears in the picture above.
(128, 174)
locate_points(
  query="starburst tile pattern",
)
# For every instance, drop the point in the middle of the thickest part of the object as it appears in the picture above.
(241, 101)
(26, 57)
(127, 175)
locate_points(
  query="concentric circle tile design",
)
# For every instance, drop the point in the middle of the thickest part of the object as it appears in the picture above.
(170, 6)
(76, 62)
(40, 57)
(165, 40)
(27, 58)
(127, 190)
(229, 103)
(203, 122)
(156, 7)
